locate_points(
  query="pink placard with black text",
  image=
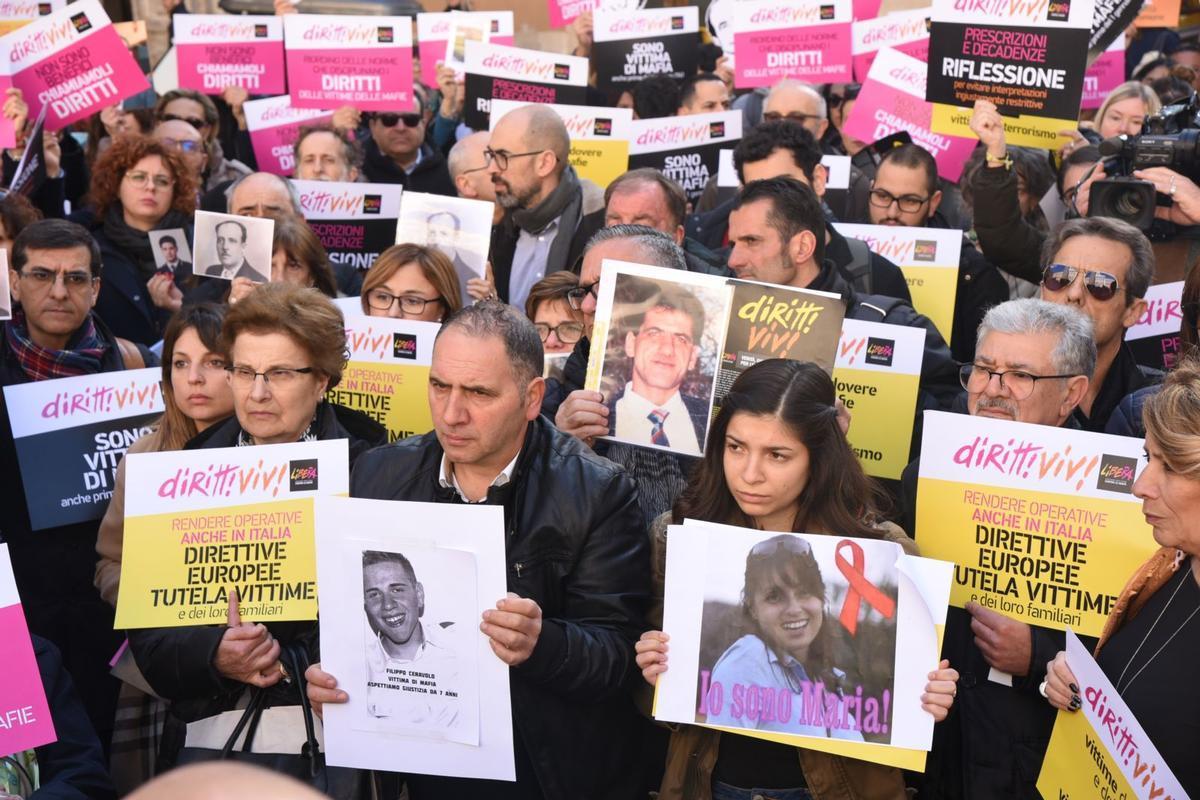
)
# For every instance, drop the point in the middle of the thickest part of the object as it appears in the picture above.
(777, 39)
(334, 61)
(273, 124)
(74, 62)
(893, 99)
(433, 30)
(906, 31)
(25, 720)
(1105, 74)
(219, 50)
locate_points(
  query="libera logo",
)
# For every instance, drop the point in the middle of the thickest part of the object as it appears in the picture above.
(880, 351)
(404, 345)
(302, 475)
(1117, 474)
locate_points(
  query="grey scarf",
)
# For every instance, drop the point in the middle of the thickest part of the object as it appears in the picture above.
(565, 203)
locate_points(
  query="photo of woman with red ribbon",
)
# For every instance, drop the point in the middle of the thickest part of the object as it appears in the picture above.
(798, 626)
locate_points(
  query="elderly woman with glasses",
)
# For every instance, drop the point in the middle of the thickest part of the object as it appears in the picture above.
(138, 185)
(410, 281)
(283, 346)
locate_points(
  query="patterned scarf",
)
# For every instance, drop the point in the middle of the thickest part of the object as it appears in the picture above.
(82, 356)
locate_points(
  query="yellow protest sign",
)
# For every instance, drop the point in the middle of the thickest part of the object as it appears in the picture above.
(877, 376)
(1040, 522)
(387, 376)
(1044, 133)
(928, 257)
(599, 137)
(1101, 750)
(199, 523)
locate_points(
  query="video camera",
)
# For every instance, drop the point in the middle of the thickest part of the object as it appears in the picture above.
(1171, 139)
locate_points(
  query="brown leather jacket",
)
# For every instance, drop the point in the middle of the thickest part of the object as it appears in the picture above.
(692, 751)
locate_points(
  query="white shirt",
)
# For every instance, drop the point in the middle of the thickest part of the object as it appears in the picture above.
(414, 692)
(529, 262)
(634, 425)
(449, 480)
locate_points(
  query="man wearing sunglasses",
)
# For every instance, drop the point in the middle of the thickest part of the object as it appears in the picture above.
(550, 212)
(1032, 364)
(905, 194)
(1103, 267)
(185, 140)
(396, 151)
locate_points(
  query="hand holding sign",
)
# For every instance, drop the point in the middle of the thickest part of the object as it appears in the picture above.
(940, 691)
(651, 657)
(1062, 690)
(988, 125)
(15, 109)
(1006, 643)
(513, 629)
(247, 652)
(322, 688)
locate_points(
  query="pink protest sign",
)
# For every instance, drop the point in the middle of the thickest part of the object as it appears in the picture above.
(24, 714)
(564, 12)
(433, 31)
(906, 31)
(219, 50)
(74, 62)
(893, 99)
(273, 124)
(1105, 74)
(333, 61)
(808, 40)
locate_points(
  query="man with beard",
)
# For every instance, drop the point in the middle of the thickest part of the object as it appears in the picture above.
(550, 213)
(394, 601)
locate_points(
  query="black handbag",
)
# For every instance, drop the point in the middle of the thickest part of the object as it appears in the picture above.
(308, 766)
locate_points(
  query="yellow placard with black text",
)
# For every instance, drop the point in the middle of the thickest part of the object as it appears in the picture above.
(1101, 750)
(877, 375)
(928, 257)
(201, 523)
(599, 137)
(1043, 133)
(1040, 521)
(387, 376)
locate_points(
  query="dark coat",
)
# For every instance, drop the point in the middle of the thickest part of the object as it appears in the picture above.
(698, 409)
(73, 767)
(504, 247)
(980, 286)
(1124, 377)
(124, 303)
(55, 567)
(178, 662)
(1126, 418)
(711, 230)
(430, 176)
(1007, 240)
(586, 563)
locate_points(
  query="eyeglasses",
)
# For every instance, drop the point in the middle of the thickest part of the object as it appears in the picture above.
(389, 120)
(791, 116)
(74, 281)
(576, 296)
(567, 332)
(502, 158)
(280, 377)
(143, 179)
(182, 145)
(1100, 285)
(881, 198)
(1020, 384)
(380, 300)
(195, 122)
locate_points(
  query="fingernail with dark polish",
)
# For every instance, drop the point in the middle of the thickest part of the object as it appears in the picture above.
(1074, 689)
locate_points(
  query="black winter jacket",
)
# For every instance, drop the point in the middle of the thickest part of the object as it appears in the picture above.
(980, 286)
(1007, 240)
(430, 176)
(575, 544)
(178, 662)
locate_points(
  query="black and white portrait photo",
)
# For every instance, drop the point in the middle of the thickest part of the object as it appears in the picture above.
(5, 294)
(458, 227)
(229, 246)
(416, 667)
(171, 250)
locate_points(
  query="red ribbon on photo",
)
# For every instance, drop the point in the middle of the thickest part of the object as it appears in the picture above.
(860, 587)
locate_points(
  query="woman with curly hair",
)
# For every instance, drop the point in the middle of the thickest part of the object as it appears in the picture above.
(138, 186)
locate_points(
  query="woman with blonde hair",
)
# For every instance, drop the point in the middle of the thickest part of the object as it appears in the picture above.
(1148, 645)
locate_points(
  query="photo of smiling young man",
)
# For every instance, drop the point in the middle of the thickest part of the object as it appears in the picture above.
(662, 383)
(412, 665)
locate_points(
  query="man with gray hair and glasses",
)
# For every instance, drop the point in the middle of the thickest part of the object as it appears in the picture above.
(578, 559)
(1033, 363)
(1102, 267)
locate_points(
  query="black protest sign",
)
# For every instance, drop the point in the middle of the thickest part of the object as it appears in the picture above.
(526, 76)
(354, 221)
(632, 45)
(71, 433)
(686, 149)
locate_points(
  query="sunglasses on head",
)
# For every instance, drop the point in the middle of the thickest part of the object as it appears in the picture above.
(1100, 285)
(196, 123)
(389, 120)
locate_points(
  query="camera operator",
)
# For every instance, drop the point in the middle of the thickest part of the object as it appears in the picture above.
(1007, 235)
(1123, 112)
